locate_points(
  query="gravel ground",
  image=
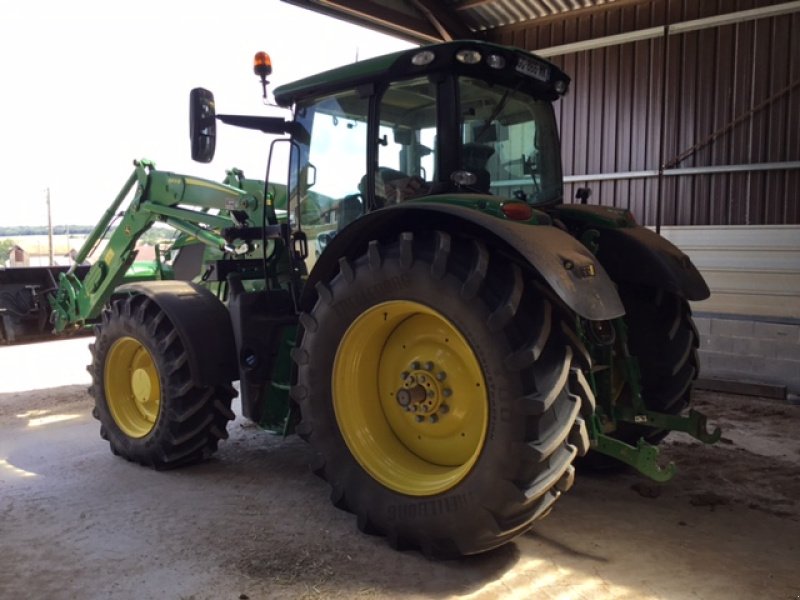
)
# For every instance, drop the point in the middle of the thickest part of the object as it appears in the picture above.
(77, 522)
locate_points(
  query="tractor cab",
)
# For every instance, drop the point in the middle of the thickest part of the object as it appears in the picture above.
(463, 120)
(466, 122)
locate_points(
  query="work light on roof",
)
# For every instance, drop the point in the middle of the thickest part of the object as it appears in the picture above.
(420, 59)
(496, 61)
(560, 86)
(468, 57)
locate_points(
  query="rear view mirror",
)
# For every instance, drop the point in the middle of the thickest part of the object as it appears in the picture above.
(403, 137)
(202, 125)
(490, 133)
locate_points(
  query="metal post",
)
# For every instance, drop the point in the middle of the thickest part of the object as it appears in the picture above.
(662, 140)
(50, 230)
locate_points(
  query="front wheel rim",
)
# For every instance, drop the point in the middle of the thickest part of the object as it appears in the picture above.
(410, 398)
(132, 387)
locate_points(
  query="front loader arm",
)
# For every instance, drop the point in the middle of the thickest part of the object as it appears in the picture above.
(159, 196)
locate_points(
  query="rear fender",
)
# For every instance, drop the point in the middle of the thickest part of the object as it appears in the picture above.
(572, 272)
(202, 322)
(639, 255)
(631, 253)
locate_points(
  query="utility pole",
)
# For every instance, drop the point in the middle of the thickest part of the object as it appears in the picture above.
(50, 229)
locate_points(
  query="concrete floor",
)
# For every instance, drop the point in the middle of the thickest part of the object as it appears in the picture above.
(77, 522)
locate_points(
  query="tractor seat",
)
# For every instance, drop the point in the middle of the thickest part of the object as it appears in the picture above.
(393, 186)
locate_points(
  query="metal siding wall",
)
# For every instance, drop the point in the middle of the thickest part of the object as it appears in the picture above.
(752, 270)
(792, 178)
(611, 119)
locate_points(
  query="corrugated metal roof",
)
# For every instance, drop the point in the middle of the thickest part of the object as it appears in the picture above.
(482, 15)
(428, 21)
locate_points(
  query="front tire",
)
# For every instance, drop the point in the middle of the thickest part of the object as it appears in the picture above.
(433, 380)
(149, 409)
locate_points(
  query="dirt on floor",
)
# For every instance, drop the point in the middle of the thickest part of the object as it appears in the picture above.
(77, 522)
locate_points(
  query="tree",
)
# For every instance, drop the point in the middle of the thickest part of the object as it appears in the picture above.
(5, 250)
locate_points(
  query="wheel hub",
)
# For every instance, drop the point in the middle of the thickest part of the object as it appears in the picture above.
(131, 386)
(140, 385)
(423, 393)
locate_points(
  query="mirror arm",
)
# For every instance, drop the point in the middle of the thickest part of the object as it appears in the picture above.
(274, 125)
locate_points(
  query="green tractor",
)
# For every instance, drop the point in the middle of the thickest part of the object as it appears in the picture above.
(414, 299)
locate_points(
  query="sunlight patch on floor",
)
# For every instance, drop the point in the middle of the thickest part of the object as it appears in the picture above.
(537, 578)
(7, 467)
(50, 419)
(33, 413)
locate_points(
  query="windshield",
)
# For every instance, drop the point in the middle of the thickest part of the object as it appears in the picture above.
(509, 141)
(329, 166)
(427, 130)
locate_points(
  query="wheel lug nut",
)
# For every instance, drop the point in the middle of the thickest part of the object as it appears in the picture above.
(447, 392)
(420, 418)
(404, 375)
(441, 376)
(415, 366)
(434, 418)
(444, 409)
(429, 366)
(431, 393)
(403, 397)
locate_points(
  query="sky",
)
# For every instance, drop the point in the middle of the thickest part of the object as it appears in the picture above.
(88, 86)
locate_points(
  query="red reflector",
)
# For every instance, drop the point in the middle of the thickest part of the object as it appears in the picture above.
(518, 211)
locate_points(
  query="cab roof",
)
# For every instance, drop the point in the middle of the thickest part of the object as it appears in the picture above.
(519, 66)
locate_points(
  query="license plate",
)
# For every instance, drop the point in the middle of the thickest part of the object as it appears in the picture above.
(534, 69)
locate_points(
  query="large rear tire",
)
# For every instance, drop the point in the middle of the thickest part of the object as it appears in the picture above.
(149, 409)
(664, 340)
(436, 386)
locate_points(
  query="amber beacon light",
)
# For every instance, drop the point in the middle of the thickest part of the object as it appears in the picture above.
(262, 66)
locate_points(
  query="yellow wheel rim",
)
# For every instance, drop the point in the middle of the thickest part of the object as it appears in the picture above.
(410, 398)
(132, 387)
